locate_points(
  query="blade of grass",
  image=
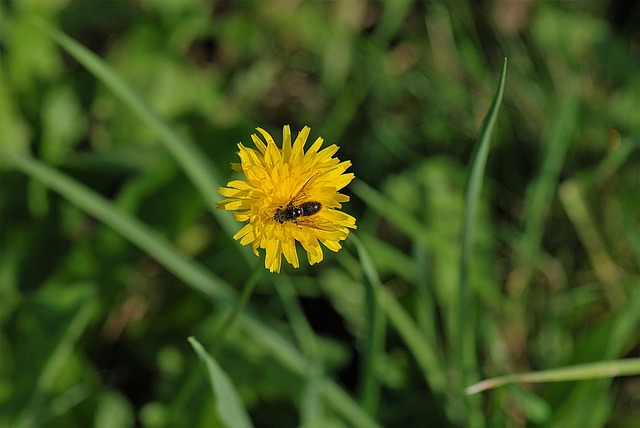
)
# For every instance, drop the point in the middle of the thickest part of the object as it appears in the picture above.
(192, 273)
(465, 331)
(605, 268)
(369, 387)
(247, 290)
(311, 408)
(539, 196)
(424, 352)
(130, 227)
(426, 316)
(601, 369)
(300, 326)
(229, 407)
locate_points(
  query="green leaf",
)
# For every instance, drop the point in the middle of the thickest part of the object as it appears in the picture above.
(599, 370)
(375, 337)
(465, 330)
(228, 404)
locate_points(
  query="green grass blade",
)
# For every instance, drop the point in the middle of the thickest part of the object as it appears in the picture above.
(229, 407)
(374, 345)
(541, 192)
(229, 322)
(302, 330)
(473, 187)
(204, 175)
(424, 352)
(342, 402)
(572, 198)
(601, 369)
(426, 316)
(311, 406)
(130, 227)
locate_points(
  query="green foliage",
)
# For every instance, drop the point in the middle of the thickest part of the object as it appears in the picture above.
(119, 121)
(228, 406)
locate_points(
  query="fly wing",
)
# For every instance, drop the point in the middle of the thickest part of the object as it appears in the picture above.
(316, 222)
(302, 193)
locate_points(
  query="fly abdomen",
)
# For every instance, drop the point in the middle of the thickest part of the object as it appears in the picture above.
(310, 208)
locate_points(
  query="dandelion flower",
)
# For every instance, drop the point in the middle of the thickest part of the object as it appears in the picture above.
(289, 195)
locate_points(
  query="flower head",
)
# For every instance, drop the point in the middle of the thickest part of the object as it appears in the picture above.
(289, 195)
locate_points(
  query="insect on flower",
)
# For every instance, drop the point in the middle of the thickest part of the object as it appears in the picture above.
(289, 195)
(292, 211)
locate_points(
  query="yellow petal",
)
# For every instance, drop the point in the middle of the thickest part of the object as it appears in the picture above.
(239, 184)
(234, 205)
(273, 256)
(267, 137)
(315, 146)
(286, 143)
(301, 139)
(332, 245)
(289, 250)
(258, 142)
(241, 216)
(228, 193)
(272, 156)
(246, 230)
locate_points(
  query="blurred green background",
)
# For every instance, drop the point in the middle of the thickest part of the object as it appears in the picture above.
(94, 329)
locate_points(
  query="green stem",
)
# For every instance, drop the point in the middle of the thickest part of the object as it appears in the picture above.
(247, 291)
(300, 327)
(473, 187)
(369, 388)
(601, 369)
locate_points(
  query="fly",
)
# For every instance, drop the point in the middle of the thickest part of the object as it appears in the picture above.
(291, 212)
